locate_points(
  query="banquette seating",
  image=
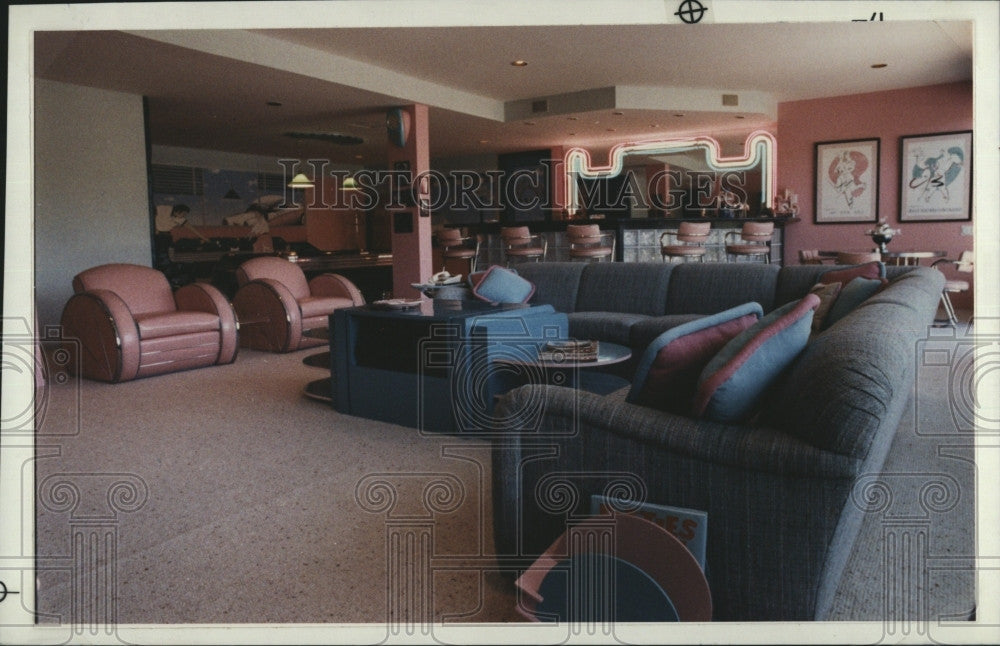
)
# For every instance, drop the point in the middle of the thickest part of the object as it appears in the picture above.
(276, 305)
(783, 482)
(130, 324)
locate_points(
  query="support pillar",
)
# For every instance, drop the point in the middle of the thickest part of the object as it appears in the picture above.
(409, 219)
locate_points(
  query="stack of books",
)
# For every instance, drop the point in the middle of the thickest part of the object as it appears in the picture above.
(558, 351)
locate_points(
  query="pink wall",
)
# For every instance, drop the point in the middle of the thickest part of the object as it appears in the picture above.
(888, 116)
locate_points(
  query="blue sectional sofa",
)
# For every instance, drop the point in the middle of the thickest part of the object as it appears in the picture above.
(778, 489)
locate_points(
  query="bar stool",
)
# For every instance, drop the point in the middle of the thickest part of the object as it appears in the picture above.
(689, 241)
(756, 241)
(588, 242)
(519, 242)
(456, 245)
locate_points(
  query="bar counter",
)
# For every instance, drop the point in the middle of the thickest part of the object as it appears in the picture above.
(636, 239)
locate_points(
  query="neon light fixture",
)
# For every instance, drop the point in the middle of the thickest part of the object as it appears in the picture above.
(759, 150)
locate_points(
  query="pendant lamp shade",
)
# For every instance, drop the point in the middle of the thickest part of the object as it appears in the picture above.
(300, 181)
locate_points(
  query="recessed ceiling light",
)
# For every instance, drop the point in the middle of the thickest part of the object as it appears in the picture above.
(519, 63)
(878, 66)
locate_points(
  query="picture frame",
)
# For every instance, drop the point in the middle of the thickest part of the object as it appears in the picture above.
(935, 177)
(846, 181)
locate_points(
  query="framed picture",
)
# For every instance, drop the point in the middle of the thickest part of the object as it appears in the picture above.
(846, 181)
(935, 173)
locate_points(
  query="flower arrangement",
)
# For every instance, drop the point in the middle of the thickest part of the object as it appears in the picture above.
(882, 234)
(883, 229)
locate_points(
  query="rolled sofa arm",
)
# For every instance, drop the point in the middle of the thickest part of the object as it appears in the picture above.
(773, 502)
(108, 335)
(337, 286)
(202, 297)
(269, 314)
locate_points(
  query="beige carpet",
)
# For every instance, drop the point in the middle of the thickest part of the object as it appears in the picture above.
(224, 495)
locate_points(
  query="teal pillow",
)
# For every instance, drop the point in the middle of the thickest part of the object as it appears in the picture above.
(667, 375)
(735, 378)
(851, 295)
(500, 285)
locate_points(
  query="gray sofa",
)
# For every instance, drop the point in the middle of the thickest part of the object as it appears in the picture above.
(778, 492)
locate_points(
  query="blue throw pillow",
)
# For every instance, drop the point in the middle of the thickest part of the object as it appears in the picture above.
(667, 375)
(851, 295)
(500, 285)
(734, 379)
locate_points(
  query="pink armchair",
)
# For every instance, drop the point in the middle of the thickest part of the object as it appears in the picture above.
(131, 325)
(276, 305)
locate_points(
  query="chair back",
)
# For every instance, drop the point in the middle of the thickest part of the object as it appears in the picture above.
(583, 233)
(513, 234)
(966, 262)
(145, 290)
(757, 231)
(450, 237)
(810, 257)
(857, 258)
(693, 231)
(278, 269)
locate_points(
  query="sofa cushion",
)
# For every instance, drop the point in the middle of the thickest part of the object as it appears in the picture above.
(603, 326)
(667, 374)
(643, 332)
(827, 297)
(735, 378)
(500, 285)
(556, 283)
(873, 269)
(708, 288)
(633, 287)
(163, 324)
(851, 295)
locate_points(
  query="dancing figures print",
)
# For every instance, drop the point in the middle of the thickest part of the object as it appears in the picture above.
(847, 181)
(935, 176)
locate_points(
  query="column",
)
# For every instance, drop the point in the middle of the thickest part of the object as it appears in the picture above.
(411, 225)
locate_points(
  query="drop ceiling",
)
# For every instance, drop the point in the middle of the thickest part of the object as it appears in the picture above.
(217, 89)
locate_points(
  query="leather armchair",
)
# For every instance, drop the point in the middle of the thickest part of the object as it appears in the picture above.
(130, 324)
(276, 305)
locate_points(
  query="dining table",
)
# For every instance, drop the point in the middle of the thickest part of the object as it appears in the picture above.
(911, 257)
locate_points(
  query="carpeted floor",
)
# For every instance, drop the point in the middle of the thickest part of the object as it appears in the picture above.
(224, 495)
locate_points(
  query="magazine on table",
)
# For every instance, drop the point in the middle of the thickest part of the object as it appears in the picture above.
(571, 350)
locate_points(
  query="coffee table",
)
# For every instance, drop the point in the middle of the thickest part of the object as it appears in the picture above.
(413, 366)
(570, 372)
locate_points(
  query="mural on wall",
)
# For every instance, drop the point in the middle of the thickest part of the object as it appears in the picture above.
(936, 174)
(847, 181)
(213, 195)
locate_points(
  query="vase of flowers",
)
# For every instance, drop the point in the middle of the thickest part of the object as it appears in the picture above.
(882, 235)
